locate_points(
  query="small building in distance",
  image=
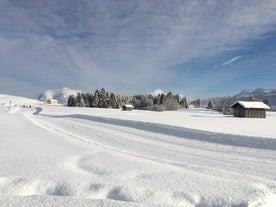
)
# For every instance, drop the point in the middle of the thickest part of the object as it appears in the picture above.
(249, 109)
(127, 107)
(52, 101)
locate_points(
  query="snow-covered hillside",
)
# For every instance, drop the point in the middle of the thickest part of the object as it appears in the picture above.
(64, 156)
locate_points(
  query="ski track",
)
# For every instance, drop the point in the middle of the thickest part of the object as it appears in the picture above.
(108, 135)
(207, 136)
(136, 152)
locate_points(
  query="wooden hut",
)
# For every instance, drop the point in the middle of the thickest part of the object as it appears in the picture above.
(52, 101)
(127, 107)
(249, 109)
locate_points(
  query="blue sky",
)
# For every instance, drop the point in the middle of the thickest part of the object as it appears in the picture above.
(197, 48)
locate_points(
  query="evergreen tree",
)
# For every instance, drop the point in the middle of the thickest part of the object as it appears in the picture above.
(184, 103)
(71, 100)
(103, 99)
(156, 99)
(90, 99)
(85, 100)
(107, 100)
(95, 102)
(224, 107)
(102, 96)
(171, 102)
(210, 105)
(196, 103)
(113, 102)
(150, 101)
(252, 98)
(79, 100)
(162, 98)
(268, 102)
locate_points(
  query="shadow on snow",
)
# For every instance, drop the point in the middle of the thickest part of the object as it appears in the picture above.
(182, 132)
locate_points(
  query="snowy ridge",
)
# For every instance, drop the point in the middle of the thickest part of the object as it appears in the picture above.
(64, 156)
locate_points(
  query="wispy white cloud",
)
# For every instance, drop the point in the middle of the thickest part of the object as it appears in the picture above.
(232, 60)
(122, 44)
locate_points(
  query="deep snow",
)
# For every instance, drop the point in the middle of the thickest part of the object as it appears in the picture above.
(62, 156)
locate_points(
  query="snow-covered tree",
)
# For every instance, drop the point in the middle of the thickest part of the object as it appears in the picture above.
(196, 103)
(252, 98)
(268, 102)
(103, 99)
(95, 102)
(113, 101)
(90, 98)
(71, 100)
(184, 102)
(224, 107)
(210, 105)
(79, 100)
(171, 102)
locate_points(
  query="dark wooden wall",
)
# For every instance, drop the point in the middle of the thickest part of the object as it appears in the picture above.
(249, 113)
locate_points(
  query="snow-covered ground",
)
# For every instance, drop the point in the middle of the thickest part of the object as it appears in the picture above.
(62, 156)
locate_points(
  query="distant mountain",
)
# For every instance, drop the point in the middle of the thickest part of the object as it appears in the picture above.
(60, 94)
(260, 94)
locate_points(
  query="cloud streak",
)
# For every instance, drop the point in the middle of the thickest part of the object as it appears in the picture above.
(232, 60)
(122, 45)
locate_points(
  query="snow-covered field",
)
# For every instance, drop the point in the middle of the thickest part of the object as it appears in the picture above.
(62, 156)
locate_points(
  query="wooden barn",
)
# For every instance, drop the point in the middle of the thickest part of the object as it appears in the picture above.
(249, 109)
(127, 107)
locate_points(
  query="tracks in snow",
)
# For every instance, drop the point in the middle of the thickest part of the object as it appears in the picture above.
(181, 132)
(128, 163)
(159, 147)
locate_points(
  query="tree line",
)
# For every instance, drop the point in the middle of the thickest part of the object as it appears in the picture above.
(103, 99)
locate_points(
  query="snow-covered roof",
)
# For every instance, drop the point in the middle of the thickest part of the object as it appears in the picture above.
(128, 106)
(251, 104)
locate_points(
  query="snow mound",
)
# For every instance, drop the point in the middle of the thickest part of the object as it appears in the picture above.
(26, 187)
